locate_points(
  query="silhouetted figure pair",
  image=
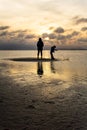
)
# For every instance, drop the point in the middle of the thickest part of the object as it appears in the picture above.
(40, 45)
(52, 50)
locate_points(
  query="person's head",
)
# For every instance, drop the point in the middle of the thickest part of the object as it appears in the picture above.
(54, 46)
(40, 39)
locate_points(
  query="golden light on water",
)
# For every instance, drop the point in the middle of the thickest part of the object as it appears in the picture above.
(49, 78)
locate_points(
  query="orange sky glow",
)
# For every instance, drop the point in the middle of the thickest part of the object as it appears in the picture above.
(56, 21)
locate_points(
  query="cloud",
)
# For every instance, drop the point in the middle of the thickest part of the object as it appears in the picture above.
(21, 35)
(79, 20)
(3, 33)
(73, 34)
(14, 40)
(18, 34)
(30, 36)
(52, 36)
(25, 39)
(19, 31)
(61, 37)
(4, 27)
(15, 45)
(59, 30)
(82, 40)
(84, 29)
(45, 35)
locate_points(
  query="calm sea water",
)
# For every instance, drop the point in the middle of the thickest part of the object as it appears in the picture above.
(71, 67)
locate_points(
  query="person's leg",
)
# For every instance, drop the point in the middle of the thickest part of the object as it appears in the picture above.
(41, 54)
(51, 54)
(38, 54)
(52, 57)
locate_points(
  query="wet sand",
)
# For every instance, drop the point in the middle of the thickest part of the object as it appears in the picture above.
(29, 102)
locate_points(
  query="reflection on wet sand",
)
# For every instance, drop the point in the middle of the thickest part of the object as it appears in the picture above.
(52, 67)
(40, 68)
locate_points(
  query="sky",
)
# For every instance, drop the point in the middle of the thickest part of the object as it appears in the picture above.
(59, 22)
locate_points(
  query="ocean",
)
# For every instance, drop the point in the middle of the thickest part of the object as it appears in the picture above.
(38, 95)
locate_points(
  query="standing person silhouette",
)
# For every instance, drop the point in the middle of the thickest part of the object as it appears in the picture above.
(40, 45)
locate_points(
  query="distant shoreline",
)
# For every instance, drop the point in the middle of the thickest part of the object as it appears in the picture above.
(46, 50)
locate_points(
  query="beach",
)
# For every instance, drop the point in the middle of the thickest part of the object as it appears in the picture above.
(39, 95)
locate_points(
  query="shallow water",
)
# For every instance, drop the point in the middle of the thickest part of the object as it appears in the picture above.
(43, 95)
(71, 67)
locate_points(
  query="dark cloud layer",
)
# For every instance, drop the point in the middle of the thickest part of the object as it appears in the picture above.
(4, 33)
(83, 40)
(31, 36)
(16, 46)
(16, 40)
(25, 39)
(84, 29)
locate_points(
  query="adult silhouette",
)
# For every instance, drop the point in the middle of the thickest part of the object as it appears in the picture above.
(40, 45)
